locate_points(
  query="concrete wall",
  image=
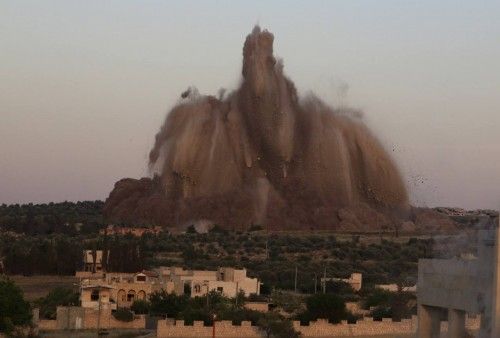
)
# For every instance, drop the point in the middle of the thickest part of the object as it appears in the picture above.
(450, 283)
(454, 287)
(76, 318)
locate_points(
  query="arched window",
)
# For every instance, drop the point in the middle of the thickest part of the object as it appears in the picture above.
(122, 296)
(141, 295)
(197, 288)
(131, 296)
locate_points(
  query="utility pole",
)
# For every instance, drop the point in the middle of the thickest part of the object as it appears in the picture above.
(315, 283)
(295, 279)
(99, 315)
(213, 325)
(324, 281)
(267, 246)
(208, 305)
(237, 295)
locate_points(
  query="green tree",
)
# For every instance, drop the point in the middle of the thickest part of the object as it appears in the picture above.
(163, 303)
(14, 310)
(57, 297)
(124, 315)
(328, 306)
(275, 326)
(191, 229)
(140, 307)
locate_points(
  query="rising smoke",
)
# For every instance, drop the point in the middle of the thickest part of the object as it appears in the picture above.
(261, 155)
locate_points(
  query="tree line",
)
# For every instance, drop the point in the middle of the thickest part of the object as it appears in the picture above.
(67, 218)
(63, 255)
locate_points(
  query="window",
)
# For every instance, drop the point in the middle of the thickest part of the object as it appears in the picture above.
(220, 289)
(94, 296)
(197, 288)
(122, 295)
(141, 278)
(131, 296)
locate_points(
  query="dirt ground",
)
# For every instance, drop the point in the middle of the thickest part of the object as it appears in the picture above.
(35, 287)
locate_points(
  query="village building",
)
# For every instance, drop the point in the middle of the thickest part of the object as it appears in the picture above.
(97, 296)
(228, 281)
(355, 281)
(122, 289)
(397, 288)
(128, 288)
(93, 261)
(134, 231)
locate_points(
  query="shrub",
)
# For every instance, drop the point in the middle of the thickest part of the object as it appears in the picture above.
(57, 297)
(191, 229)
(377, 298)
(255, 227)
(140, 307)
(163, 303)
(123, 315)
(327, 306)
(274, 325)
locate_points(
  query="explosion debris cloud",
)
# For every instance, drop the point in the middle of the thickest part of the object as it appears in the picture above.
(261, 155)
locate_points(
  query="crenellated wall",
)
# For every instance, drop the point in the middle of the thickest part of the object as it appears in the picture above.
(177, 329)
(319, 328)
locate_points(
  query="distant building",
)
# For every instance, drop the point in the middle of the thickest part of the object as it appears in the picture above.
(396, 288)
(97, 296)
(129, 287)
(228, 281)
(137, 232)
(355, 280)
(122, 289)
(93, 261)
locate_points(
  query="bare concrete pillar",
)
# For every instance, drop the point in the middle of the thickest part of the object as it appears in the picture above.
(456, 323)
(495, 311)
(429, 322)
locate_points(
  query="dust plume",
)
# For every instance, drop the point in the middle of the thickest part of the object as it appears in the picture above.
(259, 155)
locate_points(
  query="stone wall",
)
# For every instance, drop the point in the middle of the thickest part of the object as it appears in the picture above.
(320, 328)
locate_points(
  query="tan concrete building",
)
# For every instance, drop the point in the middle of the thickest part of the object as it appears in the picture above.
(396, 288)
(93, 261)
(122, 289)
(138, 286)
(355, 280)
(134, 231)
(95, 296)
(228, 281)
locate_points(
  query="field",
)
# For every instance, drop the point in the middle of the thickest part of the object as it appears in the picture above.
(35, 287)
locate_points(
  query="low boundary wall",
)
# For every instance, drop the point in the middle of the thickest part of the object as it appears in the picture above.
(75, 318)
(321, 328)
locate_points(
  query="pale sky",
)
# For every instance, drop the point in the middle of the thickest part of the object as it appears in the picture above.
(85, 85)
